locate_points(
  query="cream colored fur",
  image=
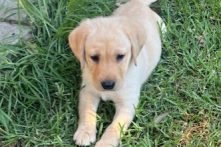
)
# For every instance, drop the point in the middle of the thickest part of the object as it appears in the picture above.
(132, 30)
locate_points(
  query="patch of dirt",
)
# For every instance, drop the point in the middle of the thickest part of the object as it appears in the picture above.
(194, 129)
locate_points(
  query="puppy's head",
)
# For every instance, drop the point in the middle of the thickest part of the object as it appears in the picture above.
(105, 48)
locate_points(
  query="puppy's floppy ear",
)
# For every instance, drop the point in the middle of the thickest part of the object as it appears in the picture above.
(137, 37)
(77, 39)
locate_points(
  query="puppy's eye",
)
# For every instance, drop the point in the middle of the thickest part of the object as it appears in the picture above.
(95, 58)
(120, 57)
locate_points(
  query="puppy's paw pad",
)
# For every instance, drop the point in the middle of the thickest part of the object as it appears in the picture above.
(84, 136)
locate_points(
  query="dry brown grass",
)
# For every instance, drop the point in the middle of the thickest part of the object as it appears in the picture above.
(194, 129)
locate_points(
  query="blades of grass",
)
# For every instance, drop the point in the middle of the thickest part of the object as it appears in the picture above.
(36, 14)
(5, 120)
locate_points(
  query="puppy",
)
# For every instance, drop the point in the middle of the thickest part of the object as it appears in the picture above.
(117, 54)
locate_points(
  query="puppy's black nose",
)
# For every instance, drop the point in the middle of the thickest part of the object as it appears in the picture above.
(108, 85)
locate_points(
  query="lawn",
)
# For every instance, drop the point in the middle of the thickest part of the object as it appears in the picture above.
(180, 104)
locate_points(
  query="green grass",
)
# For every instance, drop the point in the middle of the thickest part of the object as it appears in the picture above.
(40, 79)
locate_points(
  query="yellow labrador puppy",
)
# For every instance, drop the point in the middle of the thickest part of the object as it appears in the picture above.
(117, 54)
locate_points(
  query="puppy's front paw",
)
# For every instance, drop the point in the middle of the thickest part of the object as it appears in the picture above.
(107, 143)
(110, 138)
(85, 135)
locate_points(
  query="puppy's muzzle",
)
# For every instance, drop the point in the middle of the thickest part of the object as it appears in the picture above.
(108, 84)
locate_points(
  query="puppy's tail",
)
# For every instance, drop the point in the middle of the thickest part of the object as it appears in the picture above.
(148, 2)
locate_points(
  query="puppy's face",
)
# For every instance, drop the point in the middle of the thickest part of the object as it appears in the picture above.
(105, 51)
(107, 58)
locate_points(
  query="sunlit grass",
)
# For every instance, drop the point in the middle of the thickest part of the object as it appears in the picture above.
(40, 79)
